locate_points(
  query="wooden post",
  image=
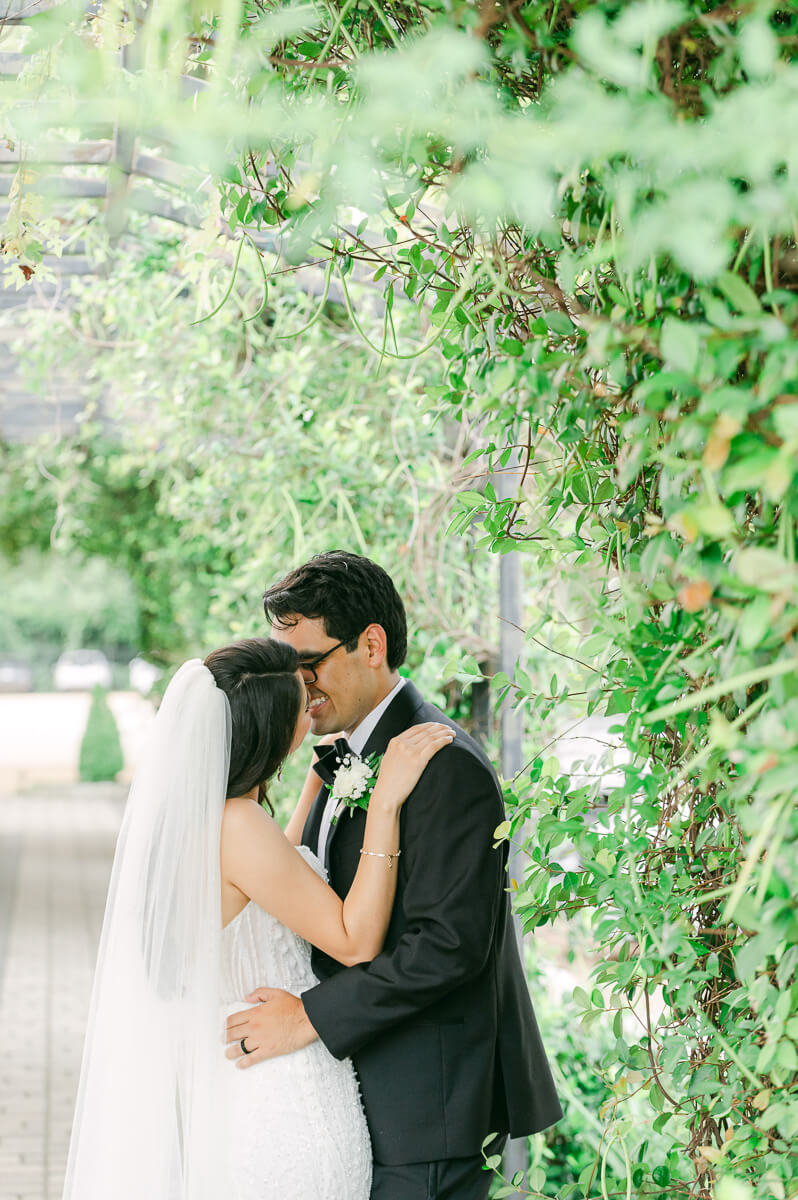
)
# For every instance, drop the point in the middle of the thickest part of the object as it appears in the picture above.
(119, 170)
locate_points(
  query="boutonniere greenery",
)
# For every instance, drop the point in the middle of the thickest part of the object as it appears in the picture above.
(354, 780)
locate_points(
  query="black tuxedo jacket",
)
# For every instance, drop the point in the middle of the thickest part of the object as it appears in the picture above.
(439, 1025)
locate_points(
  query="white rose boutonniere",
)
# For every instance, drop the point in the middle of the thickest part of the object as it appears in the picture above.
(354, 780)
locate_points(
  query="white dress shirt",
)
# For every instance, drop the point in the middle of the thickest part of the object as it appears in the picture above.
(357, 741)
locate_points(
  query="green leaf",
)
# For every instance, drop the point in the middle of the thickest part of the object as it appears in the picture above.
(558, 322)
(785, 418)
(764, 569)
(502, 831)
(759, 49)
(471, 498)
(620, 701)
(738, 293)
(755, 623)
(502, 378)
(751, 955)
(731, 1188)
(778, 477)
(45, 29)
(680, 345)
(551, 767)
(581, 998)
(713, 518)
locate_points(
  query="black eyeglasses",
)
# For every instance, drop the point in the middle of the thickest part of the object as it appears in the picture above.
(308, 665)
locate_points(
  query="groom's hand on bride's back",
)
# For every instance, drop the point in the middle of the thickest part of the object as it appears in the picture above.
(277, 1025)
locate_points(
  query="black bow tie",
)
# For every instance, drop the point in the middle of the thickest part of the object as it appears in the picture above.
(330, 758)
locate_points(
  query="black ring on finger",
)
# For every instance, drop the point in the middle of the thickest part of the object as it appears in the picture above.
(243, 1047)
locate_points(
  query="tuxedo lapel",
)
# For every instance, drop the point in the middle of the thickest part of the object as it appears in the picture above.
(310, 834)
(400, 713)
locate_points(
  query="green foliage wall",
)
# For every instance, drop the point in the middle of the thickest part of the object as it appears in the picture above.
(593, 207)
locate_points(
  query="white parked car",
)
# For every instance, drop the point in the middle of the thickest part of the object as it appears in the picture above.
(15, 675)
(143, 675)
(81, 670)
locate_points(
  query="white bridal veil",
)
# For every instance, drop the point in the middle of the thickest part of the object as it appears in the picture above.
(146, 1121)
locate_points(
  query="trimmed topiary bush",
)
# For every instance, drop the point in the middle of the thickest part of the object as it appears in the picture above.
(101, 755)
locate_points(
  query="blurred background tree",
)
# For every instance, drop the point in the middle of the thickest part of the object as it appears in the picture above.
(53, 603)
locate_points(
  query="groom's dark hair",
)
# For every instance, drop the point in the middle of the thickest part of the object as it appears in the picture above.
(348, 593)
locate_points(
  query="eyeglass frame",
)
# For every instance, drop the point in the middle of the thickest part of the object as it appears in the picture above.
(312, 663)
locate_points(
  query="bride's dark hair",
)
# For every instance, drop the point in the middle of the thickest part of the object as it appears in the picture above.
(259, 678)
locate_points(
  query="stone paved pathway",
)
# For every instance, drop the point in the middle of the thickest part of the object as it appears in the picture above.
(56, 848)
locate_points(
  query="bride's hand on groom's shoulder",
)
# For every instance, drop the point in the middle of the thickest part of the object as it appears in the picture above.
(277, 1025)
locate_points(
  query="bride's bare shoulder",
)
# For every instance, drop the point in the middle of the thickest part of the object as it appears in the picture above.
(244, 818)
(251, 839)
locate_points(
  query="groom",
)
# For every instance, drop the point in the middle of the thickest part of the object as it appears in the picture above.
(439, 1025)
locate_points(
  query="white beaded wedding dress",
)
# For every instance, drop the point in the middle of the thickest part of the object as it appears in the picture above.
(297, 1125)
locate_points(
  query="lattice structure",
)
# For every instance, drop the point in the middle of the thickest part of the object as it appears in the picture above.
(105, 176)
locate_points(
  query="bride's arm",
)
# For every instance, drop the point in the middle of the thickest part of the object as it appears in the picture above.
(310, 789)
(259, 860)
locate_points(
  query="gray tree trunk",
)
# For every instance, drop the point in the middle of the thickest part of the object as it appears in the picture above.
(511, 625)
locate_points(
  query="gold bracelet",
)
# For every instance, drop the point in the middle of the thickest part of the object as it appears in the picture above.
(378, 854)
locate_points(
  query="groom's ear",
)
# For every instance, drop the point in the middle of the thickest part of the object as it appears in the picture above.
(376, 645)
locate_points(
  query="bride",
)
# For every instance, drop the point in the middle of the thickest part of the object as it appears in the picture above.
(208, 900)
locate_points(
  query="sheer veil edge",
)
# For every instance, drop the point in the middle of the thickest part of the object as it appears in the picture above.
(149, 1118)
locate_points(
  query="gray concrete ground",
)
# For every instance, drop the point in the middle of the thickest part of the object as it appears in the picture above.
(56, 848)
